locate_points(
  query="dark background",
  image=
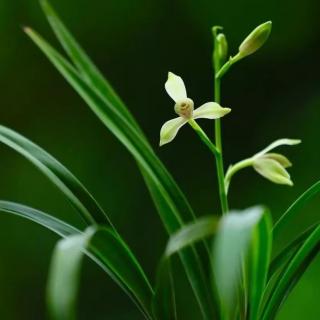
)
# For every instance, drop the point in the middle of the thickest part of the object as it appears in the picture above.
(273, 94)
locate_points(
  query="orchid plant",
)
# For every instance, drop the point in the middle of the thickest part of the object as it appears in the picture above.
(227, 257)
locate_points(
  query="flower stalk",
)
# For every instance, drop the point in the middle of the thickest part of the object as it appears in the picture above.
(234, 169)
(203, 136)
(218, 138)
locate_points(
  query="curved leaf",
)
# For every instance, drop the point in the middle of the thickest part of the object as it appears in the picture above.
(106, 249)
(294, 208)
(84, 64)
(291, 273)
(161, 183)
(59, 175)
(282, 257)
(58, 226)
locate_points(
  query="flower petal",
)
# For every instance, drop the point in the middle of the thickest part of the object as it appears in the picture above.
(284, 161)
(272, 170)
(175, 87)
(210, 110)
(277, 143)
(170, 129)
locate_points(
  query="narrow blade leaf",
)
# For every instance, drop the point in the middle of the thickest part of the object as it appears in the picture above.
(82, 61)
(57, 226)
(291, 273)
(289, 214)
(282, 257)
(60, 176)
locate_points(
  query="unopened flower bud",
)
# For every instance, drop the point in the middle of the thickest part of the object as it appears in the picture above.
(272, 170)
(184, 108)
(255, 39)
(221, 50)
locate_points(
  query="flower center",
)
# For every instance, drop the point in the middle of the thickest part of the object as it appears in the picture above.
(184, 108)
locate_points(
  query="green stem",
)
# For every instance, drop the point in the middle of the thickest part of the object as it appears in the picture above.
(235, 168)
(219, 159)
(204, 137)
(218, 142)
(221, 71)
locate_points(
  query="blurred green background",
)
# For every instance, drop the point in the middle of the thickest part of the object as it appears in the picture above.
(274, 93)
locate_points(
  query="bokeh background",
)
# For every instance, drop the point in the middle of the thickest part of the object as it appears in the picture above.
(274, 93)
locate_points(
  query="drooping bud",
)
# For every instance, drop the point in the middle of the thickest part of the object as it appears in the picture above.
(184, 108)
(256, 39)
(221, 49)
(272, 170)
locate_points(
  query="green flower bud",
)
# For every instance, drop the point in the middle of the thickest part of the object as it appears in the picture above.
(256, 39)
(272, 170)
(271, 166)
(221, 50)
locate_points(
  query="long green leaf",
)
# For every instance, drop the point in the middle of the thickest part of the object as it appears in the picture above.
(281, 260)
(231, 245)
(83, 62)
(61, 177)
(59, 227)
(106, 249)
(258, 264)
(291, 273)
(306, 196)
(282, 257)
(167, 190)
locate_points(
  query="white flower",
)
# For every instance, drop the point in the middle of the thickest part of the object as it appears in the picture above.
(184, 107)
(273, 166)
